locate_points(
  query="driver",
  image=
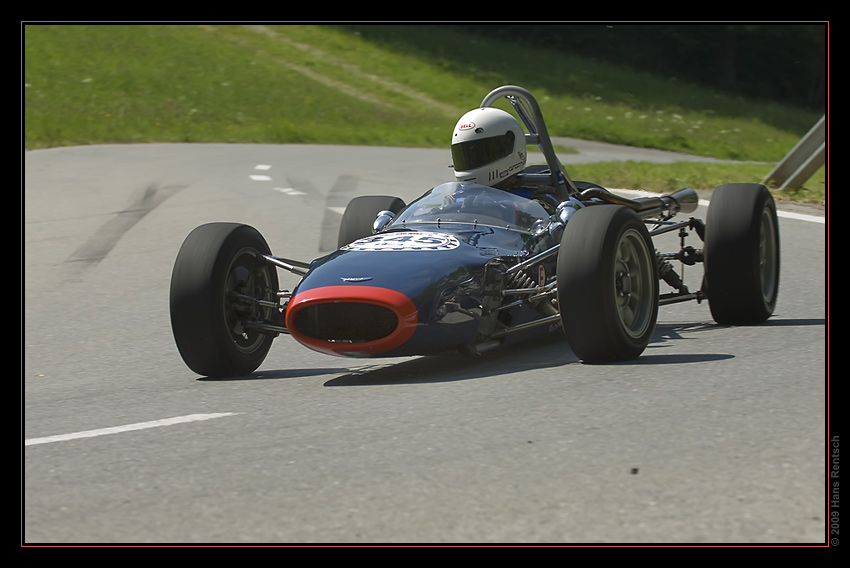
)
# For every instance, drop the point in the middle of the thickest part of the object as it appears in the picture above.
(488, 148)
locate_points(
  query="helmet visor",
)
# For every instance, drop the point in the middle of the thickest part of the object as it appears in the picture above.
(473, 154)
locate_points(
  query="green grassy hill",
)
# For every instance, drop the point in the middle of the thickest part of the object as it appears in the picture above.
(376, 85)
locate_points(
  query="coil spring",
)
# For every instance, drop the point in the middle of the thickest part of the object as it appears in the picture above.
(521, 280)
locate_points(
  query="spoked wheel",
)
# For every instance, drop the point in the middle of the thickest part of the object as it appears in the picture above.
(741, 254)
(607, 284)
(220, 291)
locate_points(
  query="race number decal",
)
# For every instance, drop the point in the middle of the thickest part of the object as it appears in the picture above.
(405, 241)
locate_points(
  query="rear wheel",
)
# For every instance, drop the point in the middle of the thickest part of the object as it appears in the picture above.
(360, 214)
(607, 284)
(741, 254)
(219, 284)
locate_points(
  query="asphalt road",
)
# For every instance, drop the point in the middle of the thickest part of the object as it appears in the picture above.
(715, 435)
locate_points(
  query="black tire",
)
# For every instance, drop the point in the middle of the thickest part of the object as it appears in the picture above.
(215, 261)
(741, 254)
(607, 284)
(360, 215)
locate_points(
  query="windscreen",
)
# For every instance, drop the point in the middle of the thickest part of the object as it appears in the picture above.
(472, 204)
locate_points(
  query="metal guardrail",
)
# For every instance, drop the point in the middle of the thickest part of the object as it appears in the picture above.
(802, 161)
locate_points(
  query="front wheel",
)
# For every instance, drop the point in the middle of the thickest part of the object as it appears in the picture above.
(741, 254)
(218, 286)
(360, 215)
(607, 284)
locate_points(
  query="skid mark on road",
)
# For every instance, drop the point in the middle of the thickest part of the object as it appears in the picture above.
(337, 199)
(99, 245)
(340, 194)
(335, 202)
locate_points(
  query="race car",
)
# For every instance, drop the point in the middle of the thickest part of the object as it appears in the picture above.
(468, 267)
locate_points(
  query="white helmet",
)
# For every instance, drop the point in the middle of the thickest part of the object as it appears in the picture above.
(488, 146)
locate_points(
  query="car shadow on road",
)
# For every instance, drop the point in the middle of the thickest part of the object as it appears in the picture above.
(268, 374)
(549, 352)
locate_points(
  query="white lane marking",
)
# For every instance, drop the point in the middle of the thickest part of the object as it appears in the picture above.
(261, 177)
(288, 191)
(258, 177)
(125, 428)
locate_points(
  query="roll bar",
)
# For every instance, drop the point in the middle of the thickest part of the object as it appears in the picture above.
(526, 107)
(529, 112)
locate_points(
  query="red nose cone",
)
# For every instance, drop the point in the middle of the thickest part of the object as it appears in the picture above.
(351, 320)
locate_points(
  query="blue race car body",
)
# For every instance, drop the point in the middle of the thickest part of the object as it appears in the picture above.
(429, 282)
(468, 268)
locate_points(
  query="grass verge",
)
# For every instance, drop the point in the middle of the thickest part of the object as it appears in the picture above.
(378, 85)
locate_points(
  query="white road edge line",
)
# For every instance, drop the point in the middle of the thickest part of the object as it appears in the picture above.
(704, 203)
(801, 217)
(125, 428)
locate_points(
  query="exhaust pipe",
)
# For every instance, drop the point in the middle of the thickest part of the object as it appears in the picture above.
(682, 201)
(686, 200)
